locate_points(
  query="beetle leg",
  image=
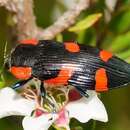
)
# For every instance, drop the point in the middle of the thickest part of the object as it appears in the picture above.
(44, 96)
(42, 90)
(20, 83)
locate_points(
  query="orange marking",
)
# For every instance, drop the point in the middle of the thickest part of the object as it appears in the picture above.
(21, 72)
(29, 41)
(105, 55)
(62, 78)
(72, 47)
(101, 80)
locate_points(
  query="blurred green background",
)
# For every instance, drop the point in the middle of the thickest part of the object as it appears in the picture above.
(110, 32)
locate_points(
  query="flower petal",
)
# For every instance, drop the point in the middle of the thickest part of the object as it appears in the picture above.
(42, 122)
(63, 119)
(85, 109)
(13, 104)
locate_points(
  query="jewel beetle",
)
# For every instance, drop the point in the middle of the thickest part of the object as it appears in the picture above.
(68, 63)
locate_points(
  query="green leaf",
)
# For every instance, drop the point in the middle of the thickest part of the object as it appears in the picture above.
(59, 37)
(78, 128)
(121, 22)
(85, 23)
(120, 43)
(125, 54)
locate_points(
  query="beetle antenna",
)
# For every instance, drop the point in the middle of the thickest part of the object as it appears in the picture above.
(4, 57)
(5, 52)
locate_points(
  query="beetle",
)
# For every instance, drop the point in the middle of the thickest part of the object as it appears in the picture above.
(68, 63)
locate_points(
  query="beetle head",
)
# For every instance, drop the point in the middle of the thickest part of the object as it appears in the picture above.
(21, 55)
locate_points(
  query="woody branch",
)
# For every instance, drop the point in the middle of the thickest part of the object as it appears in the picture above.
(26, 26)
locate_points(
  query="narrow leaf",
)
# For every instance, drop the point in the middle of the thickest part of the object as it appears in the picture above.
(59, 37)
(85, 23)
(120, 43)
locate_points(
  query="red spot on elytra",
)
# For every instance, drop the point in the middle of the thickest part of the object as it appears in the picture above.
(29, 41)
(21, 72)
(72, 47)
(101, 80)
(62, 77)
(105, 55)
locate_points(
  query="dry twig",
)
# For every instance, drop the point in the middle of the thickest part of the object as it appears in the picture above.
(25, 19)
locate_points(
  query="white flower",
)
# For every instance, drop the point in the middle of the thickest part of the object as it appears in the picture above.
(42, 122)
(82, 109)
(85, 109)
(13, 104)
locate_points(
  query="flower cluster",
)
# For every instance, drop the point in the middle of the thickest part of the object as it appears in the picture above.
(38, 116)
